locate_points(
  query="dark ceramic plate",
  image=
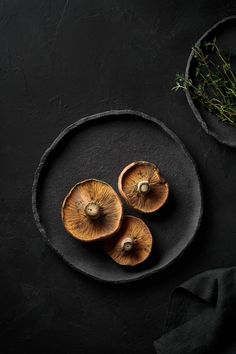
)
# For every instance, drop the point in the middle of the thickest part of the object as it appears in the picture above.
(99, 147)
(225, 32)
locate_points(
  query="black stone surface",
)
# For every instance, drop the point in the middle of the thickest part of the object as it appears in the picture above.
(100, 146)
(225, 33)
(61, 61)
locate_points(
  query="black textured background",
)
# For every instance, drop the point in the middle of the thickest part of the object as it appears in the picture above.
(59, 61)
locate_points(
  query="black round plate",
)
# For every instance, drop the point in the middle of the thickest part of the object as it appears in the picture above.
(100, 146)
(225, 32)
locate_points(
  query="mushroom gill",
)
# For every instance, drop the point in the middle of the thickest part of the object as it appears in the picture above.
(142, 186)
(132, 244)
(92, 211)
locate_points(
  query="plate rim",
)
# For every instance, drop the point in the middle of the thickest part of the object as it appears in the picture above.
(196, 112)
(54, 144)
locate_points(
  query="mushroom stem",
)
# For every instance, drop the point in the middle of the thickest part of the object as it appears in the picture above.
(143, 187)
(92, 210)
(127, 244)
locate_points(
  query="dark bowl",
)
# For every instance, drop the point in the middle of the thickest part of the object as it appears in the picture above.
(225, 32)
(100, 146)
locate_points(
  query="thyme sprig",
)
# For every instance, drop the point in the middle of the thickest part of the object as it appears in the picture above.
(214, 82)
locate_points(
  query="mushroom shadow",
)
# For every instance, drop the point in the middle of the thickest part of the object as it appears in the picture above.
(164, 212)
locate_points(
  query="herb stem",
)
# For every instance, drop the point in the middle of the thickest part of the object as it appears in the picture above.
(214, 83)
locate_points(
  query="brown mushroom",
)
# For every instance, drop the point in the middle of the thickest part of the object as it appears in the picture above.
(142, 186)
(132, 244)
(92, 211)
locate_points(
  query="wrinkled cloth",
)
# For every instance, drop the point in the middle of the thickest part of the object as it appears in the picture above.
(201, 316)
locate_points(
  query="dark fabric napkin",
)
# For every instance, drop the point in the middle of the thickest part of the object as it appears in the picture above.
(201, 316)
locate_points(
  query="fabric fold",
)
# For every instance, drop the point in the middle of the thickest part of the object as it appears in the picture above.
(201, 315)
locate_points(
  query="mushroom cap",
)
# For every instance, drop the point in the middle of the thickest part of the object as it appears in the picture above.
(142, 186)
(92, 211)
(132, 244)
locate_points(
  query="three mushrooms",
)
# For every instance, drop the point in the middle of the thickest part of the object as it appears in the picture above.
(93, 211)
